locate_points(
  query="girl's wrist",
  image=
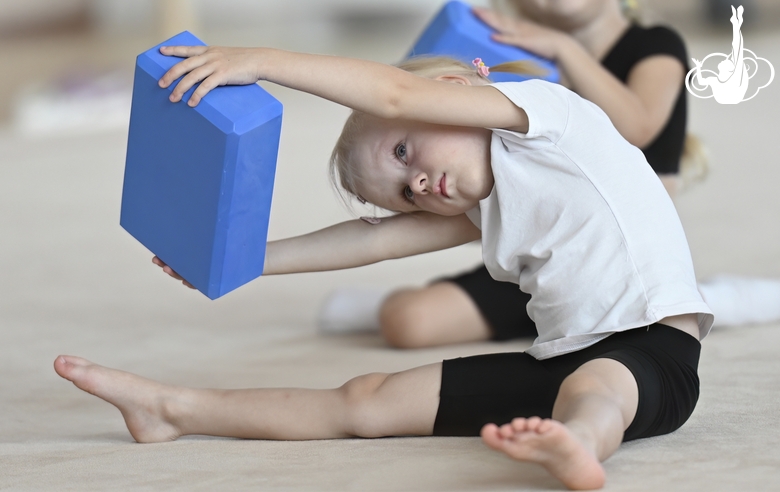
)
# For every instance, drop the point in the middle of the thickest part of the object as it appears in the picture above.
(561, 45)
(263, 62)
(567, 49)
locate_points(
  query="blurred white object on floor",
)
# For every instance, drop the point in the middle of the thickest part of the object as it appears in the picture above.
(352, 309)
(77, 102)
(738, 300)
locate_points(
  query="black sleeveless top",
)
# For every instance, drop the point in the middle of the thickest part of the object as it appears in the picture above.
(637, 43)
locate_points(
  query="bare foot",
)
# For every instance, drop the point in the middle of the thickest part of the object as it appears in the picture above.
(550, 444)
(146, 405)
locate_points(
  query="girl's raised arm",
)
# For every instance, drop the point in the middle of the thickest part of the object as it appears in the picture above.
(374, 88)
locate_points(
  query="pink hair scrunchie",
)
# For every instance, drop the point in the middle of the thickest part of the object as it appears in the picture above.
(482, 69)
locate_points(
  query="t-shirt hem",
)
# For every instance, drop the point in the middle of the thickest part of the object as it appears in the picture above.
(565, 345)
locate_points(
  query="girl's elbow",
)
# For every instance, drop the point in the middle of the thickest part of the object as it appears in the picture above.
(395, 102)
(391, 108)
(642, 136)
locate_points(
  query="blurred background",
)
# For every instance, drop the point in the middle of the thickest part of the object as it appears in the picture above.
(55, 52)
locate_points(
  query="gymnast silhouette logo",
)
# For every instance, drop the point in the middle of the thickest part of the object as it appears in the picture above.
(730, 84)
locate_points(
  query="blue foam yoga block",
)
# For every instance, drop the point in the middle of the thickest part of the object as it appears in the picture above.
(198, 181)
(455, 31)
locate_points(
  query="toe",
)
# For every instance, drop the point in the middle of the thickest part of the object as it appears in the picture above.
(61, 366)
(519, 424)
(506, 431)
(491, 436)
(545, 425)
(64, 366)
(533, 423)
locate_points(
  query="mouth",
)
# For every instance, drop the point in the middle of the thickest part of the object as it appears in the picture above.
(442, 186)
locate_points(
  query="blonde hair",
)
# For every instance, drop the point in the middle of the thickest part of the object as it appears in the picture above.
(344, 171)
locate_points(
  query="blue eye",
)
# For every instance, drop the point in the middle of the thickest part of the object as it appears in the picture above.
(408, 194)
(400, 151)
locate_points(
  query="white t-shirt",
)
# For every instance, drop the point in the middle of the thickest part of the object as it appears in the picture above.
(581, 222)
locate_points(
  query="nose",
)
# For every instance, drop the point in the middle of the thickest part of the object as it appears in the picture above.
(419, 183)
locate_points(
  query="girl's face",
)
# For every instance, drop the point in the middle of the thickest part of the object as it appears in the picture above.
(566, 15)
(411, 166)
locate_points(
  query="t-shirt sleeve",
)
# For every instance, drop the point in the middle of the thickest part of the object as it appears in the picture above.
(545, 103)
(660, 40)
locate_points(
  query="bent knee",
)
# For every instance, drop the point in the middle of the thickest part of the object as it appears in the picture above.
(606, 378)
(581, 383)
(363, 410)
(406, 319)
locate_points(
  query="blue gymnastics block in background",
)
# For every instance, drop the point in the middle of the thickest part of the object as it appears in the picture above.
(198, 181)
(456, 32)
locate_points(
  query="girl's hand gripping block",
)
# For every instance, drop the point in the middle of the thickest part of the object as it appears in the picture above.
(198, 181)
(456, 32)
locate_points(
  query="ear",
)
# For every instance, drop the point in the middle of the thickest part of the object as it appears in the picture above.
(454, 79)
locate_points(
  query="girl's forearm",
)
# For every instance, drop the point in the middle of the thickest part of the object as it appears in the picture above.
(357, 243)
(359, 84)
(344, 245)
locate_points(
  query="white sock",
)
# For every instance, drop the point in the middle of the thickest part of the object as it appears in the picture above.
(739, 300)
(352, 309)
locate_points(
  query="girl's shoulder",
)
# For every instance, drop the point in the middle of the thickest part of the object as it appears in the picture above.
(662, 39)
(640, 42)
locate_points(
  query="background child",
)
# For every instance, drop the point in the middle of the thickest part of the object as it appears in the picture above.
(586, 228)
(636, 75)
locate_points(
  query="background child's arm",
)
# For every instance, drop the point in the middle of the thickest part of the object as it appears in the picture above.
(373, 88)
(357, 243)
(639, 109)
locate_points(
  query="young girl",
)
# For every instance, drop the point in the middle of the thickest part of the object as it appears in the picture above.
(564, 206)
(636, 75)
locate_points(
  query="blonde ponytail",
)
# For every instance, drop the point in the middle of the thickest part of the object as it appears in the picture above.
(520, 67)
(434, 66)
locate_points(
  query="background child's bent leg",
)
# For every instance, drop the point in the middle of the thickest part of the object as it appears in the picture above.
(438, 314)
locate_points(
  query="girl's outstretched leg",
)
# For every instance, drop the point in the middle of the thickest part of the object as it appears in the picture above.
(372, 405)
(595, 404)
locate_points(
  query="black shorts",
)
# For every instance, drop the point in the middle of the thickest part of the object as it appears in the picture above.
(496, 388)
(502, 304)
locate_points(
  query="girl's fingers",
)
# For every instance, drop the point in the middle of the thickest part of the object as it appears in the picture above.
(508, 39)
(190, 80)
(170, 272)
(157, 261)
(212, 81)
(487, 16)
(183, 51)
(181, 68)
